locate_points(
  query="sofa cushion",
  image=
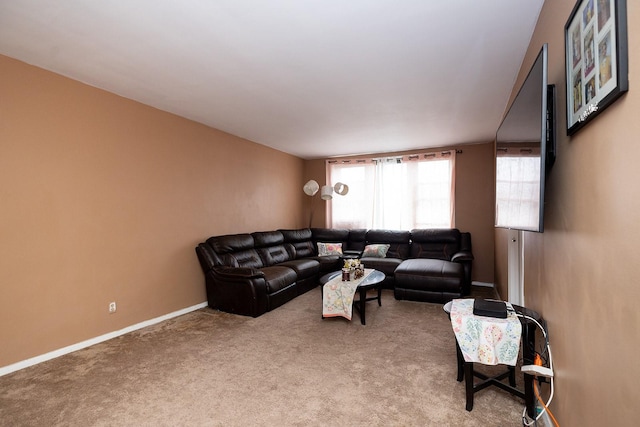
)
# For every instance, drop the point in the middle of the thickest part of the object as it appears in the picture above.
(435, 243)
(430, 275)
(398, 241)
(244, 259)
(231, 243)
(301, 249)
(357, 240)
(236, 250)
(296, 235)
(329, 263)
(298, 243)
(270, 247)
(272, 255)
(330, 235)
(278, 278)
(429, 280)
(386, 265)
(304, 268)
(262, 239)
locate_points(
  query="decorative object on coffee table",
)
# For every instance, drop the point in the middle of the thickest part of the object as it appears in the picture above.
(352, 269)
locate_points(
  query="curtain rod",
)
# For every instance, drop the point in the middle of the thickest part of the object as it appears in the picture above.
(410, 157)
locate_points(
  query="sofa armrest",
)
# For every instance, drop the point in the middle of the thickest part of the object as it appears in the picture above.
(462, 256)
(237, 273)
(466, 259)
(237, 290)
(206, 257)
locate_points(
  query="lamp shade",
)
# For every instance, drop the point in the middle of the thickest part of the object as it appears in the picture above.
(311, 188)
(341, 188)
(326, 192)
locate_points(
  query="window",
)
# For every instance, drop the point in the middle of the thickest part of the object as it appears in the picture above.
(398, 193)
(518, 188)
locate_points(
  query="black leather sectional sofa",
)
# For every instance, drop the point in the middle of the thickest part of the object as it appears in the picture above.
(253, 273)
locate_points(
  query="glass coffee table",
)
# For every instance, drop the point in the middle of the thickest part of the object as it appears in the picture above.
(372, 281)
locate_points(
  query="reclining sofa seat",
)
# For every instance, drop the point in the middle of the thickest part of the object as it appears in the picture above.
(328, 263)
(399, 246)
(438, 268)
(251, 274)
(273, 251)
(234, 280)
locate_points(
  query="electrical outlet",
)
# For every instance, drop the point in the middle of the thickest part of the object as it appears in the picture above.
(112, 307)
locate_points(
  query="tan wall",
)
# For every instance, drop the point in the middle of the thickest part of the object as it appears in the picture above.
(581, 273)
(501, 278)
(474, 205)
(474, 201)
(103, 199)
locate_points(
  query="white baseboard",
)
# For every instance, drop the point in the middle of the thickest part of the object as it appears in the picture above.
(483, 284)
(84, 344)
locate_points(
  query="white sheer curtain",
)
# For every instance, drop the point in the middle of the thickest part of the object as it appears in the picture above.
(396, 193)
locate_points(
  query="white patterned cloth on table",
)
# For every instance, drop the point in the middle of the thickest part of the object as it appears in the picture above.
(487, 340)
(337, 296)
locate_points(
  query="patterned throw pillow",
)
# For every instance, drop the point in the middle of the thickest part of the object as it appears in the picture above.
(376, 251)
(325, 249)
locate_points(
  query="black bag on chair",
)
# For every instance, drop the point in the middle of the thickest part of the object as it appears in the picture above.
(488, 308)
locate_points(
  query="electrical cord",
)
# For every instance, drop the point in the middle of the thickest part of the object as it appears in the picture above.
(535, 390)
(545, 407)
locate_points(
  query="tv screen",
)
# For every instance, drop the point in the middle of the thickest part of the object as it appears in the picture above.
(525, 150)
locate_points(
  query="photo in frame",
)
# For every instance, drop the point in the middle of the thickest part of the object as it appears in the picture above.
(596, 58)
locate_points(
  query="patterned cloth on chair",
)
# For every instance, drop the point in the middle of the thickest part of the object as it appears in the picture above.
(487, 340)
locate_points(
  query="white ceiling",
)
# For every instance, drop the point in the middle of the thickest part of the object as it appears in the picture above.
(314, 78)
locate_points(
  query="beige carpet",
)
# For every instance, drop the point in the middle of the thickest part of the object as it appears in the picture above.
(285, 368)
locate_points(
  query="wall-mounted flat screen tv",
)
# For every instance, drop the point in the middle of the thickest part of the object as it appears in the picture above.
(525, 151)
